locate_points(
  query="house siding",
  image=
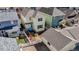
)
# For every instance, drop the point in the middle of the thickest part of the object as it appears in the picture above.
(56, 20)
(48, 19)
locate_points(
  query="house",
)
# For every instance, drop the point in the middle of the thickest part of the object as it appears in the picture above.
(58, 16)
(56, 41)
(52, 16)
(9, 21)
(8, 44)
(69, 12)
(38, 22)
(26, 15)
(47, 13)
(71, 15)
(33, 19)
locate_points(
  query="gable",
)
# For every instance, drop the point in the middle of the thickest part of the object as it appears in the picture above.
(57, 12)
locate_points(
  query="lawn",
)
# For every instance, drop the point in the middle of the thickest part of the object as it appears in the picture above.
(21, 41)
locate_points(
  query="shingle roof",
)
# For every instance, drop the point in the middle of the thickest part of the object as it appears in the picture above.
(74, 32)
(57, 12)
(25, 11)
(66, 10)
(51, 11)
(8, 44)
(66, 33)
(5, 16)
(56, 39)
(47, 10)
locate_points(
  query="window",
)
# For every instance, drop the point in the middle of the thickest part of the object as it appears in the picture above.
(39, 19)
(40, 26)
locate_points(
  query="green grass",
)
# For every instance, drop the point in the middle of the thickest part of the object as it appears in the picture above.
(21, 41)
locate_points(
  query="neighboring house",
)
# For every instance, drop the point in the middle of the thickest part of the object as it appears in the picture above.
(69, 12)
(71, 15)
(26, 17)
(47, 12)
(33, 19)
(58, 16)
(8, 44)
(56, 41)
(38, 22)
(52, 16)
(9, 22)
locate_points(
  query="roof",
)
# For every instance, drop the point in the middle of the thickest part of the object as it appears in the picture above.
(29, 48)
(57, 12)
(52, 11)
(35, 8)
(41, 47)
(74, 12)
(66, 10)
(5, 16)
(56, 39)
(74, 32)
(47, 10)
(65, 32)
(30, 13)
(8, 44)
(25, 11)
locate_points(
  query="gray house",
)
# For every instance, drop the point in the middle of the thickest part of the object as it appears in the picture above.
(8, 44)
(56, 41)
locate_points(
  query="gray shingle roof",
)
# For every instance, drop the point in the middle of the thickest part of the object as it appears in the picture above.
(66, 10)
(8, 44)
(74, 32)
(57, 12)
(47, 10)
(25, 11)
(5, 16)
(56, 39)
